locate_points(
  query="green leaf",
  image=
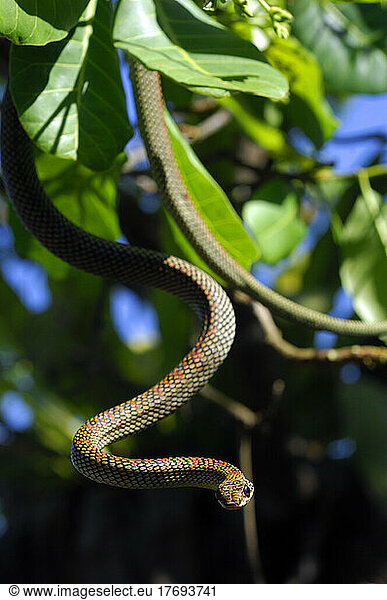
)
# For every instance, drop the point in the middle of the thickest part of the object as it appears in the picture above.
(277, 228)
(175, 243)
(321, 279)
(87, 198)
(38, 22)
(211, 202)
(180, 40)
(350, 61)
(373, 18)
(363, 243)
(308, 108)
(69, 94)
(270, 138)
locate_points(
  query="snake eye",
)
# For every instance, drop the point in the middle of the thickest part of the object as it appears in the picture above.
(247, 491)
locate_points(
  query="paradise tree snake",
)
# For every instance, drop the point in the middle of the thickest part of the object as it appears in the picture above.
(129, 265)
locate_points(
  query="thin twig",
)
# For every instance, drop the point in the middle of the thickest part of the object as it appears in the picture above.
(322, 173)
(240, 412)
(326, 174)
(249, 513)
(370, 356)
(265, 5)
(249, 419)
(207, 127)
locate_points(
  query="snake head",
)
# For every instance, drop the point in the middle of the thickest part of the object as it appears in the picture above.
(234, 492)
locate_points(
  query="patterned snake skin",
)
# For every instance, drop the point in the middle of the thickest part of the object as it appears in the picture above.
(150, 107)
(129, 265)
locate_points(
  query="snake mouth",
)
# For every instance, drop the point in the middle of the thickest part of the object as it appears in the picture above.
(223, 504)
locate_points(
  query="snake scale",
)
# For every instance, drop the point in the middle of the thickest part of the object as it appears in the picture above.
(129, 265)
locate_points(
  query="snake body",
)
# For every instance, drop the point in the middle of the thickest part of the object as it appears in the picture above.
(129, 265)
(176, 198)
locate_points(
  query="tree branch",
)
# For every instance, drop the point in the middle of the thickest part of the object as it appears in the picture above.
(370, 356)
(240, 412)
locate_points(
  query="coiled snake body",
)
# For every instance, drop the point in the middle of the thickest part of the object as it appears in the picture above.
(129, 265)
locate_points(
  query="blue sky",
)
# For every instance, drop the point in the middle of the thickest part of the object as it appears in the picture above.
(363, 116)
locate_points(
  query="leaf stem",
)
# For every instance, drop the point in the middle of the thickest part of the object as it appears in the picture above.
(265, 5)
(364, 183)
(326, 174)
(374, 204)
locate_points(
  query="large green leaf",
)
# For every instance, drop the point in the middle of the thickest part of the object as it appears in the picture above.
(175, 243)
(211, 201)
(85, 197)
(69, 94)
(363, 242)
(277, 228)
(39, 22)
(180, 40)
(349, 59)
(308, 108)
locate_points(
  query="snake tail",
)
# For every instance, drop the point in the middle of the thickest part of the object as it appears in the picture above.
(129, 265)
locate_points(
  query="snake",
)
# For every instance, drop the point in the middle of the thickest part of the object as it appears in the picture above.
(130, 265)
(176, 198)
